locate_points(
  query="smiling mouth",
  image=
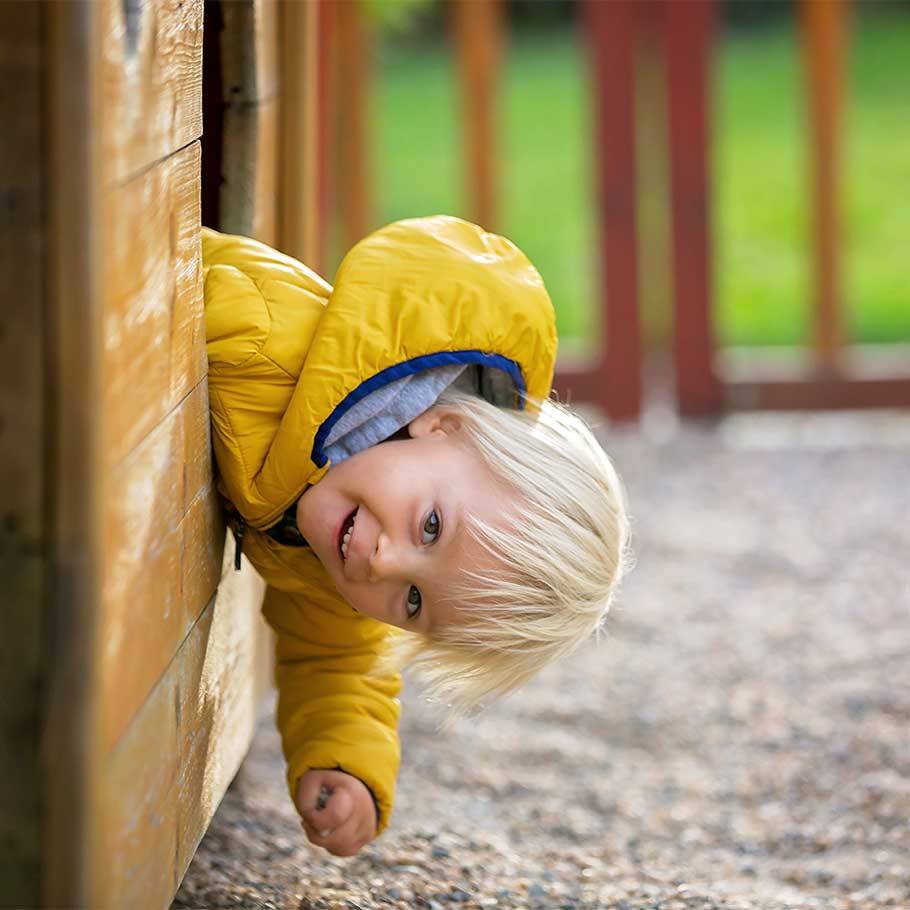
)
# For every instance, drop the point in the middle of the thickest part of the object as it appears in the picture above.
(344, 535)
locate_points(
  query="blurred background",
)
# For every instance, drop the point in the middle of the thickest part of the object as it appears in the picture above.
(712, 192)
(760, 167)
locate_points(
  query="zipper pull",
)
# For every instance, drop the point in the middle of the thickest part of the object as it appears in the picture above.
(238, 529)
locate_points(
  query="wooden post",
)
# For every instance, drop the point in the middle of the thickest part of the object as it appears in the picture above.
(824, 25)
(478, 47)
(304, 62)
(352, 125)
(71, 760)
(611, 29)
(689, 27)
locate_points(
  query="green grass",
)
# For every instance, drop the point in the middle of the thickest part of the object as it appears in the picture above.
(760, 182)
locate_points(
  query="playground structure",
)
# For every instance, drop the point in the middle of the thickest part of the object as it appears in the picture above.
(135, 658)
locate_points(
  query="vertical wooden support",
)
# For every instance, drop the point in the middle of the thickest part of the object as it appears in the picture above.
(352, 126)
(689, 27)
(824, 25)
(301, 113)
(477, 26)
(611, 28)
(70, 746)
(652, 145)
(325, 135)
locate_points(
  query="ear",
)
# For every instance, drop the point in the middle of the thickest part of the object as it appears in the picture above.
(434, 420)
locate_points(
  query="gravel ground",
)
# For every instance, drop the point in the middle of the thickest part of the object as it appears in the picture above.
(740, 739)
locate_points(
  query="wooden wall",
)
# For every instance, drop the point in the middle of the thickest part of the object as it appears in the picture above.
(134, 658)
(180, 656)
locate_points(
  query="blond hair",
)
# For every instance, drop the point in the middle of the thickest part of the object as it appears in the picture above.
(558, 561)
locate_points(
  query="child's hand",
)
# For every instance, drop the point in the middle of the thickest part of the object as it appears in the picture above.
(337, 811)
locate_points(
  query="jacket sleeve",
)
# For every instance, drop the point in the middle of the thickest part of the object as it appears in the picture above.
(334, 709)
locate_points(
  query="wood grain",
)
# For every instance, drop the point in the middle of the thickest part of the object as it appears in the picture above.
(151, 82)
(154, 344)
(162, 531)
(169, 771)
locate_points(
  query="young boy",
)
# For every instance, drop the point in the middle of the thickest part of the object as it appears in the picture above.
(390, 460)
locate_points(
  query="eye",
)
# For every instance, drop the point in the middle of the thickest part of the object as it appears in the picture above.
(414, 602)
(430, 528)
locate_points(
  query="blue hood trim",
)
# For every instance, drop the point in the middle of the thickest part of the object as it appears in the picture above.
(408, 368)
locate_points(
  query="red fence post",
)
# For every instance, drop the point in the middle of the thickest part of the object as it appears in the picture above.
(689, 28)
(824, 25)
(611, 28)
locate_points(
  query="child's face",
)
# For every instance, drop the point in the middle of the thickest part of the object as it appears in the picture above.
(408, 542)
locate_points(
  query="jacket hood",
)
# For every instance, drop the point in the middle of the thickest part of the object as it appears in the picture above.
(413, 295)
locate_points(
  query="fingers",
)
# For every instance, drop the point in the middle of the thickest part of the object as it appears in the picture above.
(337, 806)
(343, 841)
(337, 811)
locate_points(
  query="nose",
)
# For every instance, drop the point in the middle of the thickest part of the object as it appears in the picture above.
(387, 561)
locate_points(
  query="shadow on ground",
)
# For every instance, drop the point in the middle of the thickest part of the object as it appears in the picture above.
(740, 740)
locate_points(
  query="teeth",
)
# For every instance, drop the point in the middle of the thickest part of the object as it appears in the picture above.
(345, 540)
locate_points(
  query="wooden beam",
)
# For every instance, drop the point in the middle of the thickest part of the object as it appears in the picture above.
(352, 184)
(154, 343)
(70, 745)
(477, 27)
(151, 81)
(298, 204)
(870, 376)
(250, 153)
(824, 24)
(827, 392)
(611, 33)
(689, 31)
(163, 781)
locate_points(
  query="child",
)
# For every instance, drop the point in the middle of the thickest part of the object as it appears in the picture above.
(488, 524)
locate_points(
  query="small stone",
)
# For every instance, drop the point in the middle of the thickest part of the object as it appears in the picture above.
(439, 852)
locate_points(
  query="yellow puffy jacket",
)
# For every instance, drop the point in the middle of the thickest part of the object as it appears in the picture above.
(288, 355)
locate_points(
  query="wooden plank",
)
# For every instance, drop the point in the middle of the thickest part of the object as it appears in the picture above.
(824, 24)
(23, 413)
(250, 150)
(151, 81)
(689, 27)
(826, 392)
(301, 110)
(70, 768)
(611, 35)
(250, 51)
(352, 73)
(248, 200)
(162, 527)
(154, 345)
(169, 771)
(870, 376)
(325, 135)
(477, 26)
(266, 190)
